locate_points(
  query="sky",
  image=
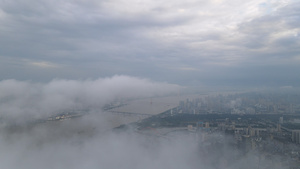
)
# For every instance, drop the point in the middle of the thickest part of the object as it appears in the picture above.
(191, 43)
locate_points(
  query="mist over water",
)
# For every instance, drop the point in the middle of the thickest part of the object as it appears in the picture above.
(22, 100)
(85, 142)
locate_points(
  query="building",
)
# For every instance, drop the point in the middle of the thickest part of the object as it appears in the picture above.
(296, 136)
(280, 120)
(207, 125)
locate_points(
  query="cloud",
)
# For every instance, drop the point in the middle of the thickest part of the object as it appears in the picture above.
(23, 100)
(43, 64)
(60, 145)
(147, 39)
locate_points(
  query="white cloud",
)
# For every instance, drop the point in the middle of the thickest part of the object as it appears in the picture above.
(43, 64)
(21, 100)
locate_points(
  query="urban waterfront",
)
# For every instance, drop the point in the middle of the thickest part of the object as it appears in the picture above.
(218, 130)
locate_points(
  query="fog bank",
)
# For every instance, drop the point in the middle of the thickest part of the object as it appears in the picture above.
(24, 100)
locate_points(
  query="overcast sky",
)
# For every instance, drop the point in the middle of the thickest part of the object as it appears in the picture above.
(190, 42)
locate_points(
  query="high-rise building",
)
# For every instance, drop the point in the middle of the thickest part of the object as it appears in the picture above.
(280, 120)
(207, 125)
(278, 128)
(291, 108)
(296, 136)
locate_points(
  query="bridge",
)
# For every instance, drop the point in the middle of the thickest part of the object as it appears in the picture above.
(130, 113)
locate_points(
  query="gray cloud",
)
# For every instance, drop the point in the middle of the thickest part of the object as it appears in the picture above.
(150, 39)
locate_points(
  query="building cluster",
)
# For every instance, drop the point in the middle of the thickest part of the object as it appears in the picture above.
(296, 136)
(268, 140)
(264, 123)
(243, 103)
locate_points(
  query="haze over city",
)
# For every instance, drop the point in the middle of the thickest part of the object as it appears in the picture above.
(149, 84)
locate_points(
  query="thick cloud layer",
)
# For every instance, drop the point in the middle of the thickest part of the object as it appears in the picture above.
(218, 42)
(20, 100)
